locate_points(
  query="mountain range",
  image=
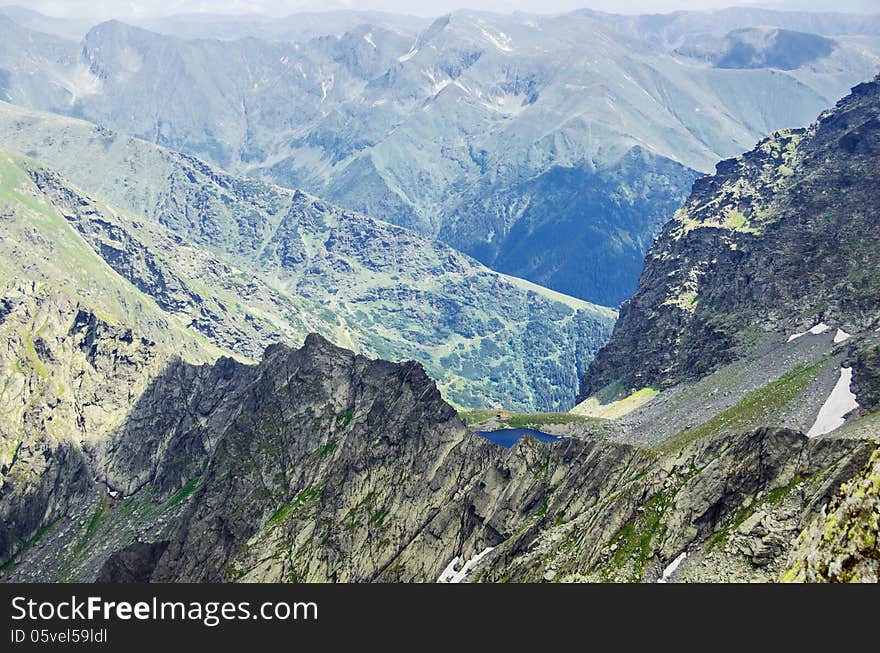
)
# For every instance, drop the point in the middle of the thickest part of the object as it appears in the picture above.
(465, 129)
(243, 264)
(727, 430)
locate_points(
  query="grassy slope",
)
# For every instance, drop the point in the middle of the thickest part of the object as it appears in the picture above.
(486, 338)
(38, 244)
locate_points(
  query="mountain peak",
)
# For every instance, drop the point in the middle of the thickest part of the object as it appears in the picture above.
(761, 245)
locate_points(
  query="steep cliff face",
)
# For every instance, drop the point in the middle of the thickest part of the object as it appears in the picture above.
(331, 465)
(757, 306)
(69, 379)
(778, 240)
(317, 464)
(729, 506)
(865, 361)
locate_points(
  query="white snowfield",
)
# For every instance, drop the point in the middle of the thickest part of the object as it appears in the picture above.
(839, 403)
(840, 336)
(816, 330)
(451, 575)
(672, 567)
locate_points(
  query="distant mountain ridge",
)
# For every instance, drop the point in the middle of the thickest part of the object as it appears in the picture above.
(465, 129)
(121, 461)
(247, 264)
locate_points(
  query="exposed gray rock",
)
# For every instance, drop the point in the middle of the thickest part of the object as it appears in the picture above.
(732, 262)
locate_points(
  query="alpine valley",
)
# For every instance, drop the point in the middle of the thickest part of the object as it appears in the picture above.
(268, 287)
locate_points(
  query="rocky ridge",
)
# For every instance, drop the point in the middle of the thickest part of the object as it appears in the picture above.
(321, 465)
(842, 544)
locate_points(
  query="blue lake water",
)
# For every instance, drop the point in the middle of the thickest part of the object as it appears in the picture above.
(509, 437)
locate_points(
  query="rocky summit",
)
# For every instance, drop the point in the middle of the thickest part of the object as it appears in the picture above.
(779, 240)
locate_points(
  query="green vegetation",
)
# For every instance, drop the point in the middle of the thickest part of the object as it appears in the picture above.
(632, 545)
(751, 409)
(183, 492)
(367, 511)
(377, 519)
(476, 416)
(774, 497)
(326, 450)
(343, 420)
(92, 526)
(34, 358)
(305, 499)
(613, 402)
(542, 419)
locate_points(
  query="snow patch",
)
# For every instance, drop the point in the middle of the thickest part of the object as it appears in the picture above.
(506, 103)
(368, 37)
(816, 330)
(453, 575)
(672, 567)
(409, 55)
(841, 335)
(326, 85)
(439, 86)
(501, 41)
(839, 403)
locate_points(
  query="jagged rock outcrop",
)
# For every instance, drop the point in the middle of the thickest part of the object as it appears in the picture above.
(843, 542)
(733, 504)
(322, 465)
(779, 239)
(330, 467)
(68, 379)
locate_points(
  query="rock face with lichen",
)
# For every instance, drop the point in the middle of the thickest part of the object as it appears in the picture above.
(778, 239)
(779, 245)
(843, 542)
(866, 372)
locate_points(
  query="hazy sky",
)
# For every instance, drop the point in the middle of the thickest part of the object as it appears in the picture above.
(142, 8)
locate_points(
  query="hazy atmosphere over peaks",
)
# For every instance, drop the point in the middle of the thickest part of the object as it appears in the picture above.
(112, 8)
(462, 127)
